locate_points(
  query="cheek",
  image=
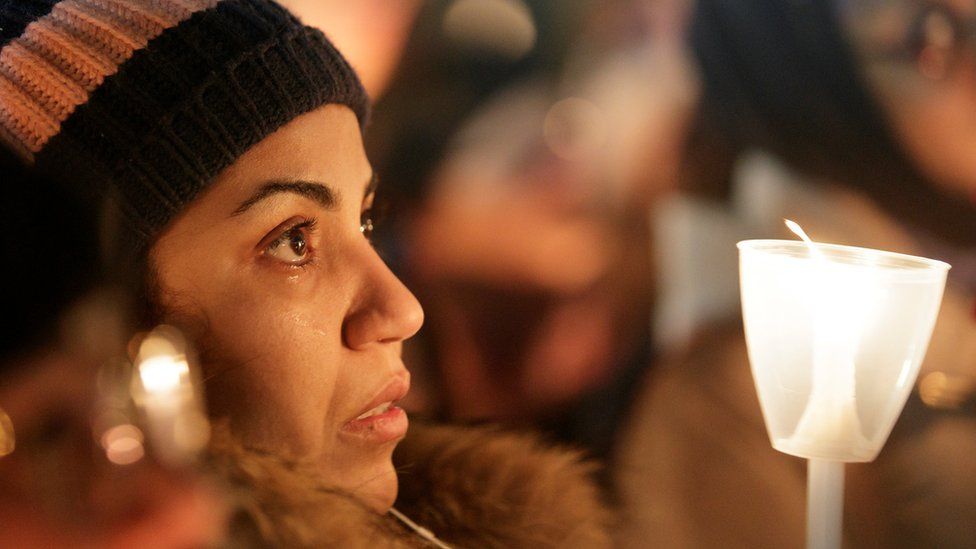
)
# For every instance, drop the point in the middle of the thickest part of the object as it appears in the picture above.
(944, 143)
(938, 128)
(270, 356)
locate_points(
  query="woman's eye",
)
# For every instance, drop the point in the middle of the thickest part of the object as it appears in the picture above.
(291, 247)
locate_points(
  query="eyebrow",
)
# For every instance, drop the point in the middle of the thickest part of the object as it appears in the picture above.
(317, 192)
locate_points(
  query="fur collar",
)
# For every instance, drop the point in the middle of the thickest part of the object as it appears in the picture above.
(473, 487)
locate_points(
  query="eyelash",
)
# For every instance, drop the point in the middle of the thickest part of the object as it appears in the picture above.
(305, 225)
(308, 224)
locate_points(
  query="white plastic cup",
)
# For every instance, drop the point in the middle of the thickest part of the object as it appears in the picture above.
(836, 338)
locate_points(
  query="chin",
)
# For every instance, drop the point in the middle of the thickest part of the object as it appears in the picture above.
(380, 491)
(366, 474)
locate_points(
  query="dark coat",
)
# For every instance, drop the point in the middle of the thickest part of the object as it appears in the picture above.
(696, 467)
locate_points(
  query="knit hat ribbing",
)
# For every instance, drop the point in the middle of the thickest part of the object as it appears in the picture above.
(151, 99)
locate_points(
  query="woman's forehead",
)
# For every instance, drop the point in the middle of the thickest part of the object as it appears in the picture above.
(326, 140)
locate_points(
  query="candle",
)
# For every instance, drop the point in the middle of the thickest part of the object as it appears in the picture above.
(836, 336)
(842, 303)
(165, 392)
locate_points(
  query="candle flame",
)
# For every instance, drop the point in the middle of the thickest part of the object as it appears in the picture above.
(842, 306)
(163, 374)
(164, 390)
(123, 444)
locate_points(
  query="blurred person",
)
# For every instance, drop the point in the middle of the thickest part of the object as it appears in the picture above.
(851, 118)
(60, 486)
(917, 59)
(521, 214)
(231, 137)
(540, 292)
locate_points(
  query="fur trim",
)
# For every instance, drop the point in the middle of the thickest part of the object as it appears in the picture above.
(473, 487)
(479, 487)
(281, 504)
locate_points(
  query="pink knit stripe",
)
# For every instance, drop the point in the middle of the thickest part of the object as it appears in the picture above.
(87, 25)
(54, 92)
(53, 67)
(77, 60)
(123, 17)
(23, 118)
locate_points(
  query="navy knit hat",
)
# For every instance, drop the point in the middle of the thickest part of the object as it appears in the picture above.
(148, 100)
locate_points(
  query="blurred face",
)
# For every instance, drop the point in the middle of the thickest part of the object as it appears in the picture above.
(539, 284)
(920, 58)
(520, 216)
(298, 319)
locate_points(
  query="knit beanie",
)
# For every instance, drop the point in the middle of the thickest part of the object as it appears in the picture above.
(147, 101)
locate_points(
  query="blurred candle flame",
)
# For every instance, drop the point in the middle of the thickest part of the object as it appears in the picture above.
(123, 444)
(842, 309)
(163, 374)
(164, 390)
(946, 391)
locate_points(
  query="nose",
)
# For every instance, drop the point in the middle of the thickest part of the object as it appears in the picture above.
(385, 311)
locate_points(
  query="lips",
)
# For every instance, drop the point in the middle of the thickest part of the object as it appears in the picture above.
(382, 420)
(376, 411)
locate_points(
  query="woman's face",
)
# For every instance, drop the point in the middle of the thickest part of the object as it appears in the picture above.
(298, 319)
(920, 58)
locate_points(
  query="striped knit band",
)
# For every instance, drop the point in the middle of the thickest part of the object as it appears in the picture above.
(148, 100)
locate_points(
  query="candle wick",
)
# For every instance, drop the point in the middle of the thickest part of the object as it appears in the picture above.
(798, 231)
